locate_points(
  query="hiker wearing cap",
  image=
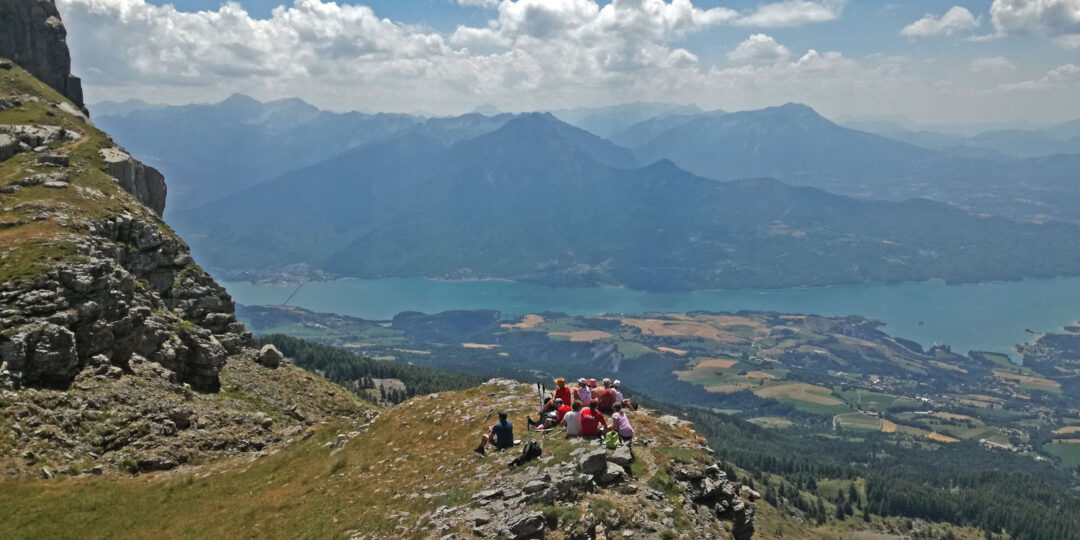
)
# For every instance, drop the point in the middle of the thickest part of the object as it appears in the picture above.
(605, 397)
(583, 392)
(617, 385)
(500, 434)
(621, 424)
(572, 420)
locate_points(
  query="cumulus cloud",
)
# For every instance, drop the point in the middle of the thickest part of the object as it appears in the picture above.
(792, 13)
(759, 48)
(992, 64)
(1054, 17)
(954, 21)
(1059, 77)
(528, 55)
(1057, 18)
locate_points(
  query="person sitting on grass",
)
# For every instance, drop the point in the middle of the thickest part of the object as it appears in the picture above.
(561, 392)
(626, 403)
(605, 397)
(500, 435)
(593, 423)
(572, 420)
(621, 424)
(583, 393)
(550, 419)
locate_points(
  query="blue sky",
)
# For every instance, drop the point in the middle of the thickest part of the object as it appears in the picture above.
(1007, 61)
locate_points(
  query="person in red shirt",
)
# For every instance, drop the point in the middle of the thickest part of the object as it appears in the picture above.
(593, 423)
(551, 419)
(561, 392)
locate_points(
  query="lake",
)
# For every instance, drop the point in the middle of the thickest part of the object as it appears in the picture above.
(989, 316)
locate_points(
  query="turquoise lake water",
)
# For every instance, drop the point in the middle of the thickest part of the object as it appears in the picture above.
(989, 316)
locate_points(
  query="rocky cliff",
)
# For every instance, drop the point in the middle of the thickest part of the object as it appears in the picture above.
(117, 351)
(33, 36)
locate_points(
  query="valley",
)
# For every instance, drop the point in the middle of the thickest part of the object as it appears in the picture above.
(838, 375)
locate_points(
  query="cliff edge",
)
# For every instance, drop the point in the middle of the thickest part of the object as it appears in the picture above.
(33, 36)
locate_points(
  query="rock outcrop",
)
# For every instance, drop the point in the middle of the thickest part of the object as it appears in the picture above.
(586, 490)
(33, 36)
(142, 181)
(117, 352)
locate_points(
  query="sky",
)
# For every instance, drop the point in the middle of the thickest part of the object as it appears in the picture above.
(916, 61)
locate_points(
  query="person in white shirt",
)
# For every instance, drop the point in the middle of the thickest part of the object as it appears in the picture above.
(572, 420)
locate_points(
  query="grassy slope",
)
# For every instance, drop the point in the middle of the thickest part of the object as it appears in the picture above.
(309, 490)
(33, 246)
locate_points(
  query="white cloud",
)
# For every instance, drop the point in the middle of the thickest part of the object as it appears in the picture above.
(759, 48)
(793, 13)
(1058, 77)
(1053, 17)
(528, 55)
(954, 21)
(992, 64)
(1057, 18)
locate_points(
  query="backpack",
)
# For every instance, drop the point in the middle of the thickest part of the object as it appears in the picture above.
(612, 440)
(531, 451)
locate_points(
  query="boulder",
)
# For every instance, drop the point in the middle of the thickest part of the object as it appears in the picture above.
(613, 474)
(56, 160)
(593, 463)
(9, 146)
(622, 456)
(270, 356)
(530, 525)
(535, 486)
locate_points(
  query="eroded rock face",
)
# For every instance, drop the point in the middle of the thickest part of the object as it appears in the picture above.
(142, 181)
(136, 292)
(33, 36)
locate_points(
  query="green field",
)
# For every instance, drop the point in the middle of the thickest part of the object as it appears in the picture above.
(1068, 453)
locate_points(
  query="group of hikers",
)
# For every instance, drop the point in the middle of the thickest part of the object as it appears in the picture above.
(579, 410)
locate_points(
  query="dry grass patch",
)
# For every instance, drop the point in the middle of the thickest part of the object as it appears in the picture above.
(758, 375)
(582, 336)
(941, 438)
(485, 346)
(1067, 430)
(887, 426)
(529, 321)
(679, 352)
(809, 393)
(715, 363)
(1008, 376)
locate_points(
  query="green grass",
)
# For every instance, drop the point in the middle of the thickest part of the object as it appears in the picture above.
(1068, 453)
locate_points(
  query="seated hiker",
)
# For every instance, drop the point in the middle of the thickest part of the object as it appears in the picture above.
(551, 419)
(621, 423)
(583, 393)
(500, 435)
(605, 397)
(593, 423)
(561, 392)
(626, 403)
(572, 420)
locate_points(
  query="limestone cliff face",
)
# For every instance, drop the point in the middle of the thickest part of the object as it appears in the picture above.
(33, 36)
(114, 344)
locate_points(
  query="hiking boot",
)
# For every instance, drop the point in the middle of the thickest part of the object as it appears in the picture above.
(529, 422)
(479, 450)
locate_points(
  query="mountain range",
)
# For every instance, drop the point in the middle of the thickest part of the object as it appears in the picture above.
(539, 200)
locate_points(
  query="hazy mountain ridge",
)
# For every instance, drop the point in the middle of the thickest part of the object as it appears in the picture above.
(530, 202)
